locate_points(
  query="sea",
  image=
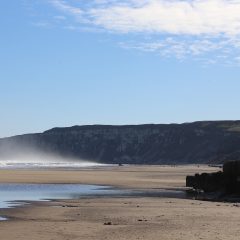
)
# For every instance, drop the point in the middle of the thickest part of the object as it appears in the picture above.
(47, 163)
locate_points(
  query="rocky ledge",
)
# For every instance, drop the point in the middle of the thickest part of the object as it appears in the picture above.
(223, 185)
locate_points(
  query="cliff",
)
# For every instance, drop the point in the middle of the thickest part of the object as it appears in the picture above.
(198, 142)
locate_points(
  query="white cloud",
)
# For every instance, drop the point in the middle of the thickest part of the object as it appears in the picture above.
(190, 27)
(192, 17)
(206, 50)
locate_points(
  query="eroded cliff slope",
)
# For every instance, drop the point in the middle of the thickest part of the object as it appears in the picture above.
(198, 142)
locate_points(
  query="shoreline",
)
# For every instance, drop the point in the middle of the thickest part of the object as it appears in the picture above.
(119, 218)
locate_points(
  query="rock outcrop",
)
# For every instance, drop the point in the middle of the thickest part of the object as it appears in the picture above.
(198, 142)
(226, 182)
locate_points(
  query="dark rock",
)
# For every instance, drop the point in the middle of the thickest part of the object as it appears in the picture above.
(207, 182)
(108, 223)
(232, 168)
(227, 182)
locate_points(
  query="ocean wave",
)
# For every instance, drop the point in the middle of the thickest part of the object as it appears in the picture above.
(18, 164)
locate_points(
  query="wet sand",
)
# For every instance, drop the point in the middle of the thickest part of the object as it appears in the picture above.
(125, 176)
(119, 218)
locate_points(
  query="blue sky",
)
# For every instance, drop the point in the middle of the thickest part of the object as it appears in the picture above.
(78, 62)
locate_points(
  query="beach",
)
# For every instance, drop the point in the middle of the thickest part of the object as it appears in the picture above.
(130, 218)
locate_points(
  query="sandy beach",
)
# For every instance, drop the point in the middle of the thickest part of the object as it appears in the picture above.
(116, 217)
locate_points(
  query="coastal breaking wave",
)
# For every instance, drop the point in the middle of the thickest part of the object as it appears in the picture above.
(13, 164)
(42, 160)
(17, 156)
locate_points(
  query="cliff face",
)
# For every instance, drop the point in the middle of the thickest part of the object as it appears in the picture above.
(199, 142)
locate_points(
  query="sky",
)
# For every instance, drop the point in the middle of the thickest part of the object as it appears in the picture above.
(80, 62)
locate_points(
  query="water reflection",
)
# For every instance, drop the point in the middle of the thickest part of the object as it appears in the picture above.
(15, 194)
(12, 195)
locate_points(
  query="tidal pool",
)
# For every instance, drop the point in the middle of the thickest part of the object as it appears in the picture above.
(12, 195)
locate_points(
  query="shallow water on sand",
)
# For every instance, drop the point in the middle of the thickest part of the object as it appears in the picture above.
(12, 195)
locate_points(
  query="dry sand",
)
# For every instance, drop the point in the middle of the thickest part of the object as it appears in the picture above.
(130, 218)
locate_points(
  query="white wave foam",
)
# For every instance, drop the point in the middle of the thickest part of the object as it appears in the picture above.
(58, 163)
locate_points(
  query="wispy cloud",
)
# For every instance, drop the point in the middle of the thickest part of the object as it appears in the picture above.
(207, 50)
(42, 24)
(177, 27)
(59, 18)
(64, 6)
